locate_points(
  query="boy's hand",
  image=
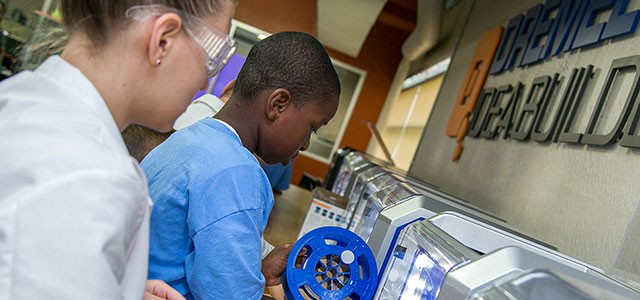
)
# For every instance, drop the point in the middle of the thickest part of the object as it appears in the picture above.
(275, 263)
(159, 290)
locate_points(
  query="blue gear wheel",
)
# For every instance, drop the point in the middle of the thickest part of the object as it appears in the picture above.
(339, 265)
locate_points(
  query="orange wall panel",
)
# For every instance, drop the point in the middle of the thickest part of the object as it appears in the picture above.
(279, 15)
(380, 56)
(310, 166)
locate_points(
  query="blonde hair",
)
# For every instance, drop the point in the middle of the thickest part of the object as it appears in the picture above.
(42, 44)
(101, 19)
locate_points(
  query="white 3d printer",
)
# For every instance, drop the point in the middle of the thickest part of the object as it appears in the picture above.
(405, 222)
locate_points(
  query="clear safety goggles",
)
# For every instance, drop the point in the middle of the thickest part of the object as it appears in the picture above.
(218, 46)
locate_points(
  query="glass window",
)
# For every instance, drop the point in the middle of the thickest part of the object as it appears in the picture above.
(407, 118)
(34, 21)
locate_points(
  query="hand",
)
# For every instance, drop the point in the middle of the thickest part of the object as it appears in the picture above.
(302, 256)
(159, 290)
(274, 264)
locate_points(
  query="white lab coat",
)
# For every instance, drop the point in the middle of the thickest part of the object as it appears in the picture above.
(74, 206)
(206, 106)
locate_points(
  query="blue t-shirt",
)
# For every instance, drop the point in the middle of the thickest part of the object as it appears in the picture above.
(279, 175)
(211, 204)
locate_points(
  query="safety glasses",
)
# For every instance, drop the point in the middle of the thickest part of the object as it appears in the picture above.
(218, 46)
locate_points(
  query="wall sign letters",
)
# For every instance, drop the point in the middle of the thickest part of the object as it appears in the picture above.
(545, 109)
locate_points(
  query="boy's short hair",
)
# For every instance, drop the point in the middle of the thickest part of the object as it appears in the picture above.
(295, 61)
(141, 140)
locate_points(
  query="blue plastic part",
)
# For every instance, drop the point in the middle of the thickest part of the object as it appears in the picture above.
(323, 274)
(394, 240)
(432, 277)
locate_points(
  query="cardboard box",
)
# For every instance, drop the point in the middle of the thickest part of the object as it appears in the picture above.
(326, 209)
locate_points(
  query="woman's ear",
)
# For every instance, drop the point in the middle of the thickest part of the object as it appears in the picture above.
(164, 32)
(279, 101)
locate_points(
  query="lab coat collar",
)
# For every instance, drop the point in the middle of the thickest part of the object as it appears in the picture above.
(70, 77)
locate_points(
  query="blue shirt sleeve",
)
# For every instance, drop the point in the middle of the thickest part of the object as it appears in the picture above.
(227, 215)
(226, 254)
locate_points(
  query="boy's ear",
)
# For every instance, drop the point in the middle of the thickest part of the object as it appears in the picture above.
(278, 102)
(163, 34)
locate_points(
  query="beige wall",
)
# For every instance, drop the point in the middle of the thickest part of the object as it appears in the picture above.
(580, 199)
(407, 118)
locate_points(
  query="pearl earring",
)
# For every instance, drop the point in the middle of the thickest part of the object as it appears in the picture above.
(158, 62)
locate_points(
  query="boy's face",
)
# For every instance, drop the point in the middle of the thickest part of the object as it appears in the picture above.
(291, 131)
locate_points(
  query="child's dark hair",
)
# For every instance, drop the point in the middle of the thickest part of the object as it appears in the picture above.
(141, 140)
(295, 61)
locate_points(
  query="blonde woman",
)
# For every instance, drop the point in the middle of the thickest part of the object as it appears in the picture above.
(74, 205)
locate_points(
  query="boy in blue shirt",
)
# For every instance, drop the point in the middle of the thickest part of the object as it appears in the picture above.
(211, 197)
